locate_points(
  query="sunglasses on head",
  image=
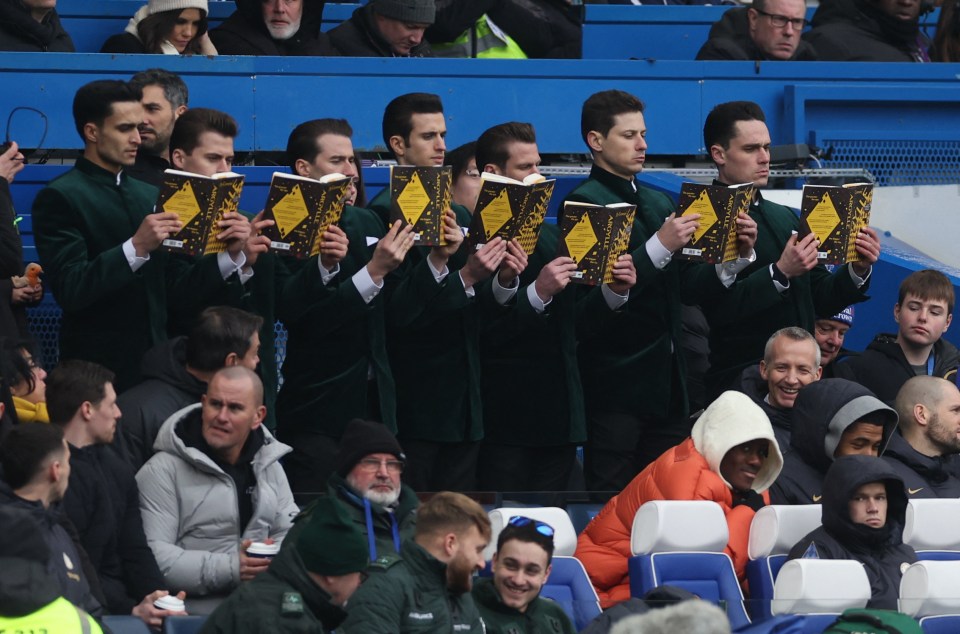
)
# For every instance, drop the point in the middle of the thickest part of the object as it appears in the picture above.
(541, 527)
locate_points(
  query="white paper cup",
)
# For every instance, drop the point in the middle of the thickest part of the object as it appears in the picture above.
(169, 602)
(262, 550)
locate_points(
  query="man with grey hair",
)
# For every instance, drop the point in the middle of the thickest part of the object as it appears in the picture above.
(273, 27)
(386, 28)
(164, 99)
(929, 439)
(767, 30)
(691, 617)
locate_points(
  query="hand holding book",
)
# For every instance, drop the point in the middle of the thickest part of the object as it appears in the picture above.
(154, 229)
(257, 243)
(676, 232)
(333, 247)
(624, 275)
(514, 263)
(483, 262)
(390, 251)
(234, 229)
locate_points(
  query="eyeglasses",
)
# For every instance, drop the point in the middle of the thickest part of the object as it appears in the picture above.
(542, 527)
(372, 464)
(780, 21)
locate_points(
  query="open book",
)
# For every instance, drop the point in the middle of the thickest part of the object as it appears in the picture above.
(595, 236)
(510, 209)
(715, 239)
(302, 208)
(419, 196)
(200, 201)
(836, 215)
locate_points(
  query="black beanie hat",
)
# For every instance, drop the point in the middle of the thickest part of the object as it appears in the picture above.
(330, 544)
(419, 11)
(362, 438)
(22, 537)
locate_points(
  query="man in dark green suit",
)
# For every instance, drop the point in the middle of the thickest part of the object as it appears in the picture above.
(533, 414)
(782, 284)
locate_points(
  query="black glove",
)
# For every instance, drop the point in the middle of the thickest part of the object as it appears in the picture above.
(749, 498)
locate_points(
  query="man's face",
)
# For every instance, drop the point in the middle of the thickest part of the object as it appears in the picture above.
(519, 571)
(829, 335)
(213, 155)
(623, 149)
(335, 156)
(523, 159)
(252, 358)
(115, 142)
(922, 321)
(376, 477)
(943, 426)
(158, 119)
(777, 42)
(427, 144)
(103, 420)
(60, 489)
(862, 438)
(466, 188)
(339, 588)
(869, 505)
(466, 560)
(282, 17)
(229, 414)
(793, 364)
(39, 8)
(741, 464)
(747, 160)
(402, 37)
(903, 10)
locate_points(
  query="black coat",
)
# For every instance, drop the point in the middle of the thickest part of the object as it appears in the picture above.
(13, 319)
(359, 37)
(857, 31)
(730, 39)
(244, 33)
(923, 476)
(20, 32)
(753, 385)
(880, 550)
(124, 43)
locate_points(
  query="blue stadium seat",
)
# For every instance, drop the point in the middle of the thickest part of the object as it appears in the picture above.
(183, 624)
(581, 514)
(940, 624)
(930, 528)
(570, 586)
(125, 624)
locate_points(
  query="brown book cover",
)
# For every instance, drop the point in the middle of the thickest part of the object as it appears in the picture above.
(302, 209)
(200, 201)
(594, 236)
(715, 239)
(510, 209)
(836, 215)
(419, 196)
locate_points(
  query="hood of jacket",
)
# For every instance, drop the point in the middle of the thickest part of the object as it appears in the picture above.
(824, 409)
(167, 362)
(291, 571)
(731, 420)
(843, 478)
(933, 469)
(309, 22)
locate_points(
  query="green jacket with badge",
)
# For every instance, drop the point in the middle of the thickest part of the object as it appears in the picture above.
(410, 595)
(542, 616)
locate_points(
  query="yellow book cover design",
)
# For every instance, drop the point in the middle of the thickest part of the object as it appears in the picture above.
(715, 239)
(302, 208)
(594, 237)
(510, 209)
(200, 202)
(835, 215)
(419, 196)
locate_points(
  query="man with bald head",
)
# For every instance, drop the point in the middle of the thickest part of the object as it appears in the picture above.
(214, 486)
(924, 451)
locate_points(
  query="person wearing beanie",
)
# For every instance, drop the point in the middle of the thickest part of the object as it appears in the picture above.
(386, 28)
(273, 27)
(32, 27)
(864, 511)
(305, 590)
(829, 333)
(731, 458)
(168, 27)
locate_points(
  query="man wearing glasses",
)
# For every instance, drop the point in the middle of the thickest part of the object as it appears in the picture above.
(769, 30)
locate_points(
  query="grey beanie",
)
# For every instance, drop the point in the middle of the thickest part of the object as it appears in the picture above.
(418, 11)
(159, 6)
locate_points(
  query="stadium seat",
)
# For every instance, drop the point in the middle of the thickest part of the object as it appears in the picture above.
(774, 531)
(570, 586)
(125, 624)
(564, 536)
(681, 543)
(820, 586)
(931, 528)
(581, 514)
(183, 624)
(932, 589)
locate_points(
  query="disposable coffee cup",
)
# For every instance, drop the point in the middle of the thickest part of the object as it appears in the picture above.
(169, 602)
(262, 550)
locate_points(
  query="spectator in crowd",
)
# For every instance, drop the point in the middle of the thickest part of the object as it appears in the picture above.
(102, 501)
(30, 598)
(32, 25)
(731, 458)
(337, 313)
(830, 333)
(923, 313)
(466, 175)
(783, 285)
(307, 592)
(691, 617)
(868, 31)
(864, 509)
(26, 380)
(168, 27)
(929, 438)
(273, 27)
(165, 98)
(946, 39)
(428, 588)
(386, 28)
(16, 293)
(214, 487)
(112, 286)
(791, 359)
(767, 30)
(831, 418)
(177, 371)
(510, 602)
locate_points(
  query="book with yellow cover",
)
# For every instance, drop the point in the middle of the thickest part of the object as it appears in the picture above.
(302, 208)
(419, 196)
(836, 214)
(715, 239)
(510, 209)
(595, 237)
(200, 202)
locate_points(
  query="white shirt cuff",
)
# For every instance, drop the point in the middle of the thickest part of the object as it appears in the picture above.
(245, 274)
(229, 266)
(367, 288)
(538, 304)
(659, 254)
(133, 259)
(859, 281)
(504, 295)
(466, 289)
(614, 300)
(325, 275)
(438, 276)
(728, 271)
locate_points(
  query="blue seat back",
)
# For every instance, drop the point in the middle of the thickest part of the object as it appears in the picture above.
(570, 586)
(761, 574)
(942, 624)
(938, 555)
(125, 624)
(183, 624)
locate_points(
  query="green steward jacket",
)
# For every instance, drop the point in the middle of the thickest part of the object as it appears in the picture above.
(542, 616)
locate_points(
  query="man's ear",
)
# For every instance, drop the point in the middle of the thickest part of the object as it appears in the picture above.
(179, 111)
(261, 414)
(490, 168)
(177, 157)
(398, 145)
(450, 544)
(920, 414)
(718, 154)
(595, 141)
(752, 17)
(86, 410)
(302, 167)
(947, 325)
(91, 132)
(763, 369)
(232, 359)
(547, 573)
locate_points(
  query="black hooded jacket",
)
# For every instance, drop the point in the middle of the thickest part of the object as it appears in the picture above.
(244, 33)
(858, 31)
(821, 413)
(359, 37)
(923, 476)
(730, 39)
(880, 550)
(883, 368)
(753, 385)
(20, 32)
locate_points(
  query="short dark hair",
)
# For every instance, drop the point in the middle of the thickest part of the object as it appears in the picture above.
(93, 102)
(174, 88)
(302, 142)
(459, 158)
(398, 115)
(219, 331)
(25, 450)
(73, 383)
(600, 109)
(928, 284)
(13, 366)
(194, 122)
(526, 533)
(721, 123)
(493, 146)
